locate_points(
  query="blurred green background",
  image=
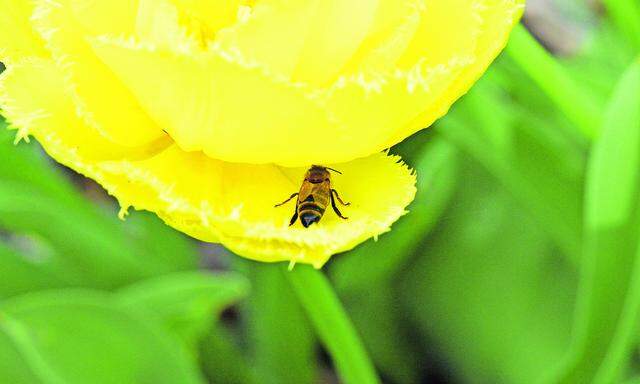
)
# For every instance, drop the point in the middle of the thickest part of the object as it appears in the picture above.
(519, 261)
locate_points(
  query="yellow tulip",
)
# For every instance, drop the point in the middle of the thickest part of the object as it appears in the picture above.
(208, 112)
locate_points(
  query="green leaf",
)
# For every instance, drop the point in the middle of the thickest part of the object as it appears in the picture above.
(187, 302)
(362, 277)
(13, 368)
(97, 250)
(599, 65)
(612, 179)
(541, 168)
(21, 274)
(27, 163)
(89, 248)
(609, 296)
(489, 293)
(83, 337)
(358, 270)
(552, 77)
(385, 335)
(223, 362)
(281, 338)
(163, 248)
(626, 15)
(89, 245)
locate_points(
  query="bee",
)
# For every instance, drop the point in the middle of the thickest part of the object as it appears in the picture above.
(314, 195)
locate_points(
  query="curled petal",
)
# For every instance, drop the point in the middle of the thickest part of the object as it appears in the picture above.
(236, 112)
(271, 35)
(338, 28)
(18, 38)
(103, 102)
(209, 16)
(497, 19)
(399, 69)
(210, 199)
(209, 112)
(395, 24)
(234, 203)
(305, 41)
(232, 112)
(34, 100)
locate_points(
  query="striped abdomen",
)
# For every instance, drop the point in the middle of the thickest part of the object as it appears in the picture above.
(311, 209)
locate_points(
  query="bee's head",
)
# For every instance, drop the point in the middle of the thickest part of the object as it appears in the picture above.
(317, 174)
(321, 168)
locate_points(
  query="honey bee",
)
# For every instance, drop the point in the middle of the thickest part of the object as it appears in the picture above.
(314, 195)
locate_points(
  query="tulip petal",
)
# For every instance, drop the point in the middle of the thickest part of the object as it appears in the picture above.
(338, 28)
(33, 99)
(239, 86)
(210, 15)
(272, 35)
(18, 38)
(398, 79)
(447, 29)
(158, 23)
(232, 111)
(234, 203)
(97, 17)
(183, 25)
(395, 24)
(102, 101)
(498, 18)
(209, 199)
(202, 101)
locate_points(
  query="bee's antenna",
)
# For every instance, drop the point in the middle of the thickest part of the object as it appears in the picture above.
(334, 170)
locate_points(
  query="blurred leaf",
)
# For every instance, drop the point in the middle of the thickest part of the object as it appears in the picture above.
(379, 318)
(20, 275)
(490, 294)
(163, 248)
(279, 333)
(186, 303)
(602, 61)
(13, 368)
(609, 297)
(541, 169)
(90, 247)
(370, 263)
(223, 362)
(552, 77)
(332, 325)
(626, 15)
(82, 337)
(26, 163)
(362, 276)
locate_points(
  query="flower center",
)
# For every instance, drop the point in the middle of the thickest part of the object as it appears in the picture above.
(203, 19)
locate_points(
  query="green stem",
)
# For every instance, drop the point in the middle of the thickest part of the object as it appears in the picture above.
(626, 15)
(554, 80)
(333, 326)
(24, 344)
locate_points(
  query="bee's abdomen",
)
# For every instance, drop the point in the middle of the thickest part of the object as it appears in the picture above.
(310, 211)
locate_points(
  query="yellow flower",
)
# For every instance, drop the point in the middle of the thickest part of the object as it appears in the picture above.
(208, 112)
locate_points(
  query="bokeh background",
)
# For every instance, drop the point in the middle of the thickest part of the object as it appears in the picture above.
(517, 264)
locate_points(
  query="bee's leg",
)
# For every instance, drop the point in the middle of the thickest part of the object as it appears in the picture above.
(333, 191)
(286, 201)
(335, 208)
(294, 218)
